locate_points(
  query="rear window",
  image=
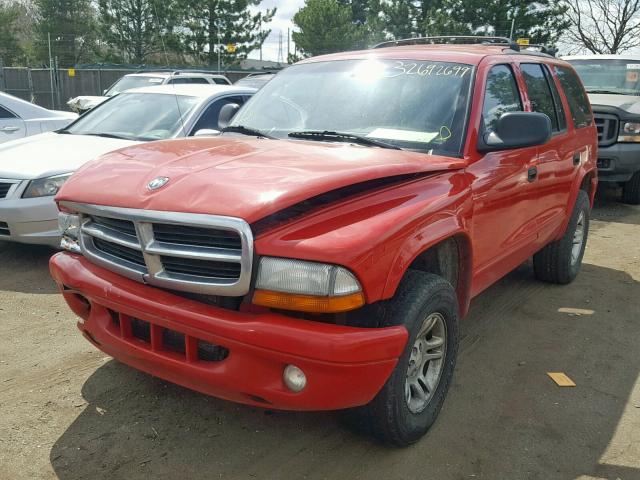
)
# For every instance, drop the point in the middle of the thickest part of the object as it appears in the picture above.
(578, 101)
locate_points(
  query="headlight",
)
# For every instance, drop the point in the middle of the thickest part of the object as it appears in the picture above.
(45, 187)
(629, 132)
(306, 286)
(69, 225)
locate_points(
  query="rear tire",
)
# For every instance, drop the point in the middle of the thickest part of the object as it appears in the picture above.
(631, 190)
(409, 403)
(560, 261)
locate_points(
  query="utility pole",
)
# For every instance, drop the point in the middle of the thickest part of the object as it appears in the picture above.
(280, 47)
(513, 23)
(218, 23)
(288, 44)
(53, 105)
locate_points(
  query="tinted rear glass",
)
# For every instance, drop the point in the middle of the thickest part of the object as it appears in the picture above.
(578, 101)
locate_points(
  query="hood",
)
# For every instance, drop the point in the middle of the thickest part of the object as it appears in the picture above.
(628, 103)
(237, 176)
(52, 153)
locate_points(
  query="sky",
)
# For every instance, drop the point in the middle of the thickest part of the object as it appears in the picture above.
(286, 9)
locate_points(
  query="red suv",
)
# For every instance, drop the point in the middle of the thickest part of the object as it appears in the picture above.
(319, 253)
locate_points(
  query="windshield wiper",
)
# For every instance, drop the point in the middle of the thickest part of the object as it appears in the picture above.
(610, 92)
(109, 135)
(247, 131)
(341, 137)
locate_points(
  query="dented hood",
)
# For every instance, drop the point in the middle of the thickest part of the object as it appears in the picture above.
(241, 177)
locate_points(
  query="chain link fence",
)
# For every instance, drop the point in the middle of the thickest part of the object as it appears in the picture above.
(53, 88)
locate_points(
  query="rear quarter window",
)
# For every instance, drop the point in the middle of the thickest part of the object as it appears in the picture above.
(576, 97)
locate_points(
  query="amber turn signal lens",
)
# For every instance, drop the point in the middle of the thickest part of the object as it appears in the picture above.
(308, 303)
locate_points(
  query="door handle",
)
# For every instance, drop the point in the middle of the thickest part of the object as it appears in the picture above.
(532, 174)
(9, 129)
(576, 158)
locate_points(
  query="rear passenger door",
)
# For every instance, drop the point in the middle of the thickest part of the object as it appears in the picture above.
(554, 164)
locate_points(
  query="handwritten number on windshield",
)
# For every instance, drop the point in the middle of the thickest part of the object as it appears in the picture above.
(427, 70)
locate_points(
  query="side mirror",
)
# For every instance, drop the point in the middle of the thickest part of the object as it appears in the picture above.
(517, 130)
(227, 112)
(206, 132)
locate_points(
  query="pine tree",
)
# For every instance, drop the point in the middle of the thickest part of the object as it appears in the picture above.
(203, 19)
(326, 26)
(71, 26)
(10, 49)
(139, 29)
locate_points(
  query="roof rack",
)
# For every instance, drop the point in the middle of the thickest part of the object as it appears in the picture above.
(174, 71)
(453, 39)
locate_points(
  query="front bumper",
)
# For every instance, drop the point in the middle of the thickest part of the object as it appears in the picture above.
(618, 162)
(345, 366)
(29, 220)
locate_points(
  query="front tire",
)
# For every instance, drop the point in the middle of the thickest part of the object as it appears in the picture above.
(560, 261)
(631, 190)
(410, 401)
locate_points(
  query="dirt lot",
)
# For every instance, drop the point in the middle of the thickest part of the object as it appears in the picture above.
(67, 411)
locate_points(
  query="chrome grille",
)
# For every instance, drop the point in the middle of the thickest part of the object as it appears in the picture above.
(6, 186)
(196, 253)
(607, 126)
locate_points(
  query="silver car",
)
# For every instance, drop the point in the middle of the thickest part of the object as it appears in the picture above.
(33, 170)
(19, 118)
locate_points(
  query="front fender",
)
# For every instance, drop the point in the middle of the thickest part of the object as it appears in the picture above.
(371, 233)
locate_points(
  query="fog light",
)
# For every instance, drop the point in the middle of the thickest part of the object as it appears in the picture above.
(294, 378)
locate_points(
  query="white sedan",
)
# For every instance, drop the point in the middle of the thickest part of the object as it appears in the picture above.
(19, 118)
(32, 170)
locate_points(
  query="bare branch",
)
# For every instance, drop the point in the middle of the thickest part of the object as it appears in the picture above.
(602, 26)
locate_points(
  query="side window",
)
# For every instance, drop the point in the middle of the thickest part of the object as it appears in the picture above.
(4, 113)
(562, 117)
(539, 92)
(209, 119)
(501, 95)
(191, 80)
(577, 99)
(220, 81)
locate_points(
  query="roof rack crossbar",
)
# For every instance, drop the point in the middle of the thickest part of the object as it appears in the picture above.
(452, 39)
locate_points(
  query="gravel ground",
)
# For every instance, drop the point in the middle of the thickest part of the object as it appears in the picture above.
(67, 411)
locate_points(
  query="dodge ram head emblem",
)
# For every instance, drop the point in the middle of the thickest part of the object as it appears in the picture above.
(157, 183)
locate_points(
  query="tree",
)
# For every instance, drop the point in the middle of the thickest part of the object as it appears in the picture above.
(326, 26)
(71, 27)
(603, 26)
(10, 48)
(237, 24)
(138, 28)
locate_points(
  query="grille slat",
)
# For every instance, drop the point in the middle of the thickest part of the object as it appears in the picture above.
(5, 186)
(119, 251)
(204, 237)
(196, 253)
(203, 268)
(607, 126)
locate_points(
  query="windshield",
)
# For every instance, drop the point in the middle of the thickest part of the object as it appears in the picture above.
(136, 116)
(414, 105)
(609, 76)
(132, 81)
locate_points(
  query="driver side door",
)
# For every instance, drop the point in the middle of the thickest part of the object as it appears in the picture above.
(504, 227)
